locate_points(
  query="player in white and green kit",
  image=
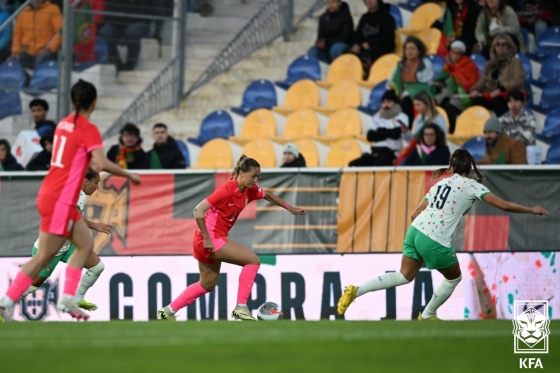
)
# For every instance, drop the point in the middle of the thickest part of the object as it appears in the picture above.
(429, 238)
(94, 265)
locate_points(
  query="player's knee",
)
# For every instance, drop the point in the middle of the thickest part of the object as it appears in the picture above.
(255, 261)
(456, 281)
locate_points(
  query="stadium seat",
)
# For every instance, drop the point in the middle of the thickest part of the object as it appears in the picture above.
(101, 51)
(550, 70)
(430, 37)
(549, 98)
(10, 104)
(551, 130)
(345, 67)
(342, 95)
(45, 76)
(526, 65)
(260, 94)
(476, 146)
(265, 151)
(304, 67)
(529, 92)
(301, 123)
(396, 13)
(547, 44)
(12, 74)
(479, 61)
(261, 123)
(185, 151)
(424, 16)
(381, 70)
(313, 151)
(345, 150)
(410, 5)
(374, 102)
(553, 154)
(302, 94)
(217, 124)
(437, 63)
(218, 154)
(469, 124)
(344, 123)
(443, 113)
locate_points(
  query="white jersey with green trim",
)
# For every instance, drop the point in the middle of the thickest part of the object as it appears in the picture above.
(448, 201)
(81, 206)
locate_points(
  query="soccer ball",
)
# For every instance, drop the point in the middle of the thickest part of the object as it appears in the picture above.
(269, 311)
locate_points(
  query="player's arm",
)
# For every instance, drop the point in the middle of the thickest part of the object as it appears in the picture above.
(419, 209)
(199, 212)
(496, 201)
(101, 162)
(100, 227)
(275, 200)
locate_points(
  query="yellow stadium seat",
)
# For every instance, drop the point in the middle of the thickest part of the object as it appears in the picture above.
(259, 124)
(343, 151)
(302, 94)
(430, 37)
(217, 154)
(443, 113)
(308, 148)
(424, 16)
(341, 95)
(266, 152)
(469, 124)
(344, 123)
(345, 67)
(381, 70)
(302, 123)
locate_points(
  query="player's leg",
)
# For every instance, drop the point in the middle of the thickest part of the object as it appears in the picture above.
(37, 282)
(235, 253)
(43, 275)
(452, 276)
(94, 267)
(209, 273)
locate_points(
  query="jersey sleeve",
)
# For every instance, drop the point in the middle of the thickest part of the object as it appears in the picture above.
(256, 193)
(92, 138)
(478, 190)
(217, 198)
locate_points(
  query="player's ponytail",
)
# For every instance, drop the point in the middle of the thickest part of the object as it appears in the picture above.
(83, 94)
(462, 163)
(244, 164)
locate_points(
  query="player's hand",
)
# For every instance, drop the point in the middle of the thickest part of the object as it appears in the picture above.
(537, 210)
(208, 244)
(103, 228)
(294, 210)
(135, 178)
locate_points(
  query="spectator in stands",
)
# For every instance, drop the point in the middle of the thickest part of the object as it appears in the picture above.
(5, 37)
(165, 154)
(292, 157)
(126, 30)
(457, 78)
(7, 160)
(502, 73)
(39, 111)
(385, 132)
(500, 148)
(518, 123)
(336, 32)
(42, 161)
(464, 14)
(427, 113)
(414, 71)
(430, 150)
(129, 153)
(497, 18)
(375, 34)
(37, 34)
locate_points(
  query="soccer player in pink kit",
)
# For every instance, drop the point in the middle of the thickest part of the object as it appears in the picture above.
(215, 216)
(76, 142)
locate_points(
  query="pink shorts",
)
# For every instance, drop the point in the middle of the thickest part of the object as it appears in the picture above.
(203, 255)
(57, 218)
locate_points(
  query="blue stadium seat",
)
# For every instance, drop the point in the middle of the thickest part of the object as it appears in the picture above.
(549, 98)
(260, 94)
(553, 154)
(396, 13)
(101, 51)
(183, 148)
(304, 67)
(374, 102)
(548, 44)
(437, 63)
(411, 5)
(550, 70)
(45, 76)
(529, 90)
(551, 130)
(12, 74)
(525, 34)
(526, 65)
(477, 147)
(479, 61)
(217, 124)
(10, 104)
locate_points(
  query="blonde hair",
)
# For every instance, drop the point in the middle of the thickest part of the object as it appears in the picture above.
(426, 99)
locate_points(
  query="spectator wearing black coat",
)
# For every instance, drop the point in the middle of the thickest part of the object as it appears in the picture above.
(7, 161)
(292, 157)
(464, 14)
(42, 161)
(39, 111)
(165, 153)
(375, 34)
(336, 32)
(129, 153)
(431, 149)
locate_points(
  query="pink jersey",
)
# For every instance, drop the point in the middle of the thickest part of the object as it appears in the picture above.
(225, 205)
(71, 155)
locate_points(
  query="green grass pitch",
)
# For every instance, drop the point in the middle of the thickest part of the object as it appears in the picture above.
(287, 347)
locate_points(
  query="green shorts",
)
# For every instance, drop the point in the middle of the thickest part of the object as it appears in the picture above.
(46, 272)
(420, 247)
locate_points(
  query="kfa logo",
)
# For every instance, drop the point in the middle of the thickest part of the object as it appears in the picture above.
(530, 331)
(35, 306)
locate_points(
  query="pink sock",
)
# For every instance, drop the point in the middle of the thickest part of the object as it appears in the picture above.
(73, 276)
(21, 283)
(246, 281)
(189, 295)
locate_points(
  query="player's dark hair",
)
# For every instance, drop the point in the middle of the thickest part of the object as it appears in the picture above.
(83, 94)
(461, 161)
(90, 175)
(39, 102)
(159, 125)
(244, 164)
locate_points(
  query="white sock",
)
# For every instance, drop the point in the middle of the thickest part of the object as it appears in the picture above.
(385, 281)
(171, 309)
(30, 290)
(88, 280)
(442, 293)
(241, 305)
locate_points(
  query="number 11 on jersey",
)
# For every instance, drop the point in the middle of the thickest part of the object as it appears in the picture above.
(58, 151)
